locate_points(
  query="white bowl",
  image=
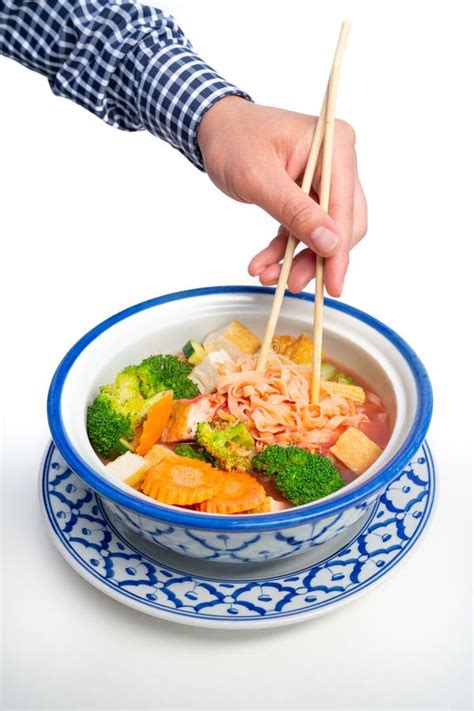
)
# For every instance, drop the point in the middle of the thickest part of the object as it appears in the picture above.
(162, 325)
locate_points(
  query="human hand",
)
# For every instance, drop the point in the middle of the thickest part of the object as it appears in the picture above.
(257, 154)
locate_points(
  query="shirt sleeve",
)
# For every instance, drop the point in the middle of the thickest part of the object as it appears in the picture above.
(129, 64)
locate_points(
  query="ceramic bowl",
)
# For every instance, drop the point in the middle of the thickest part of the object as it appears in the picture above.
(162, 325)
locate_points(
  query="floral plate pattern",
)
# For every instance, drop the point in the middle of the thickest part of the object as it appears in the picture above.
(173, 587)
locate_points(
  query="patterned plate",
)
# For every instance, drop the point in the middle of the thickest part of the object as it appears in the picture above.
(194, 592)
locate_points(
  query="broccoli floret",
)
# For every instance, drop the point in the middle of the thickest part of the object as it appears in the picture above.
(125, 395)
(187, 450)
(116, 412)
(106, 427)
(121, 406)
(165, 372)
(299, 475)
(126, 386)
(231, 447)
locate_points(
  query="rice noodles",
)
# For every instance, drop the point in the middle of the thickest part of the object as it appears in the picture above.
(275, 404)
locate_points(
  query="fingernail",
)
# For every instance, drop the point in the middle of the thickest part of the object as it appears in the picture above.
(324, 240)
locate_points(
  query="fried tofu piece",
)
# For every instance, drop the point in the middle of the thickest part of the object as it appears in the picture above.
(355, 450)
(186, 414)
(353, 392)
(234, 338)
(136, 479)
(281, 343)
(269, 505)
(301, 350)
(159, 453)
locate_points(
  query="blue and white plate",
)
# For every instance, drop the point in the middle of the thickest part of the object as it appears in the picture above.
(173, 587)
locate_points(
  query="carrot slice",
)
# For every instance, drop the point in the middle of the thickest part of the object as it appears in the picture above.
(155, 423)
(241, 492)
(182, 481)
(264, 507)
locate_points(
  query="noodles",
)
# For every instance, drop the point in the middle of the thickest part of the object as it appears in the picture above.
(255, 433)
(275, 405)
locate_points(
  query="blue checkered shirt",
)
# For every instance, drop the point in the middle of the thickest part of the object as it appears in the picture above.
(129, 64)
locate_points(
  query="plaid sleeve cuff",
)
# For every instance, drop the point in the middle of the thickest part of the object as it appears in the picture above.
(128, 63)
(175, 90)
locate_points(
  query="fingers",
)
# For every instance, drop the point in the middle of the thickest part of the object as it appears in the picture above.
(303, 271)
(266, 263)
(343, 180)
(360, 214)
(336, 266)
(330, 236)
(348, 207)
(270, 255)
(297, 212)
(335, 269)
(270, 275)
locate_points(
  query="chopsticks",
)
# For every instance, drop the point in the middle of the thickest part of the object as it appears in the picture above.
(324, 193)
(324, 126)
(310, 169)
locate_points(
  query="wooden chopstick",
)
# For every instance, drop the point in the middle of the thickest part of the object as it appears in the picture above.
(310, 169)
(324, 194)
(318, 137)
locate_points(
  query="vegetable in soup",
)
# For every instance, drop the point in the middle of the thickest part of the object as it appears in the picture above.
(203, 429)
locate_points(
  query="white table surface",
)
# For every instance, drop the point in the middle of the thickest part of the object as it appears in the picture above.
(94, 220)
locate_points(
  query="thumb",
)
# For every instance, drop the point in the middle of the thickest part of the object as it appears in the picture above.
(284, 200)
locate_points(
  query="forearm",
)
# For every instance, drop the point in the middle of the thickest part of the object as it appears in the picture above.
(129, 64)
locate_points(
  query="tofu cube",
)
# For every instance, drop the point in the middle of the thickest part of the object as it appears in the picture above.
(355, 450)
(206, 374)
(129, 468)
(234, 338)
(125, 465)
(186, 414)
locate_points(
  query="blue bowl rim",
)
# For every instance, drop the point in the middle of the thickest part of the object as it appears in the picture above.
(247, 522)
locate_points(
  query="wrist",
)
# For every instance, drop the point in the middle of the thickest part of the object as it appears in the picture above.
(218, 118)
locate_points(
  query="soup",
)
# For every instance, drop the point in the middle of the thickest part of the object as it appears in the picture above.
(204, 429)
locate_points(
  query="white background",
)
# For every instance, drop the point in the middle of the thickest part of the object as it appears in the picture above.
(94, 219)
